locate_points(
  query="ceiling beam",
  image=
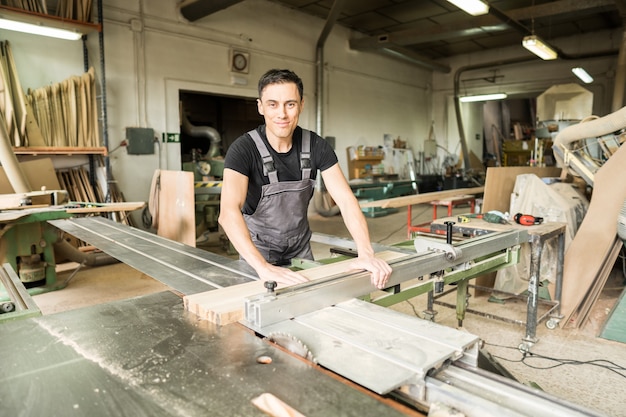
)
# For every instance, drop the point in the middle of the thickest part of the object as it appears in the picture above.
(479, 24)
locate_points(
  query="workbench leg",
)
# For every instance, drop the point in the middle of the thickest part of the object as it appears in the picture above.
(558, 288)
(430, 313)
(461, 301)
(409, 230)
(536, 246)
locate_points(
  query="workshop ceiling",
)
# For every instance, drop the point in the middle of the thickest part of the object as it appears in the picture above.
(430, 30)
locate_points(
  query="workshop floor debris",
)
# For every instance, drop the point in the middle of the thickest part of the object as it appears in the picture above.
(574, 364)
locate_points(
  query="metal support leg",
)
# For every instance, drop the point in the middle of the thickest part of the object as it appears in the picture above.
(461, 301)
(536, 243)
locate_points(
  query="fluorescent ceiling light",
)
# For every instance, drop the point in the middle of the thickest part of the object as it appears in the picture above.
(39, 29)
(483, 97)
(583, 75)
(473, 7)
(539, 48)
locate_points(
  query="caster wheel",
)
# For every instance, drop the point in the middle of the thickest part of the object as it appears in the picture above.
(552, 324)
(524, 347)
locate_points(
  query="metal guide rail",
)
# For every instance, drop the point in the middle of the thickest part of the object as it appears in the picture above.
(265, 309)
(184, 268)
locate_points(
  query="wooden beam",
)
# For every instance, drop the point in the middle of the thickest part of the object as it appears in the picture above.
(409, 200)
(226, 305)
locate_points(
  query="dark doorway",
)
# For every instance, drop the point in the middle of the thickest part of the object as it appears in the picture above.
(231, 116)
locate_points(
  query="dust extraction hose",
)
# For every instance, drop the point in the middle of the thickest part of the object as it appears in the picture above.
(64, 250)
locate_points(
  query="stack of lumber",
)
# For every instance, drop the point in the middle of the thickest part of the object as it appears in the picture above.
(59, 115)
(12, 102)
(66, 112)
(67, 9)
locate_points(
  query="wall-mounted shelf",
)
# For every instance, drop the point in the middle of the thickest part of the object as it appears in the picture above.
(34, 18)
(55, 150)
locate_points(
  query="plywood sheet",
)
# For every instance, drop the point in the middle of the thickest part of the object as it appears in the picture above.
(39, 173)
(588, 254)
(226, 305)
(500, 181)
(176, 211)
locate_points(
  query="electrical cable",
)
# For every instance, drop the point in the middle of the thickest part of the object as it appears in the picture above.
(601, 363)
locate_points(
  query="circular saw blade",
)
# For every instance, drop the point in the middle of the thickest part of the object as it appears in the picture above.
(292, 344)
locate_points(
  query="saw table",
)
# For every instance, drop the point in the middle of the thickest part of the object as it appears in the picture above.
(150, 356)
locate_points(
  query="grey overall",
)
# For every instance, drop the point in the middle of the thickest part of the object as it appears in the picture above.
(279, 227)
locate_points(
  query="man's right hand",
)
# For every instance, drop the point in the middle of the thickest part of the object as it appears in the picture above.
(281, 275)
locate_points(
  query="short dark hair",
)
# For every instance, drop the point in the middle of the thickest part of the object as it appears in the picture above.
(280, 76)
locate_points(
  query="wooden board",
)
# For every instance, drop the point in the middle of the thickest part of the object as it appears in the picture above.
(591, 249)
(226, 305)
(500, 182)
(409, 200)
(38, 172)
(176, 207)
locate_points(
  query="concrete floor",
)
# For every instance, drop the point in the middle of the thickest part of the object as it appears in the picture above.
(573, 364)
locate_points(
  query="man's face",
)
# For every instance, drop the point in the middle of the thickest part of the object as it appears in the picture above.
(280, 105)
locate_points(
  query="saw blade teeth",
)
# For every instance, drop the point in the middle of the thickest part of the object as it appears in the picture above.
(292, 344)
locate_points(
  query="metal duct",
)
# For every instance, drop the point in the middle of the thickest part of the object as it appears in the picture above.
(197, 9)
(204, 132)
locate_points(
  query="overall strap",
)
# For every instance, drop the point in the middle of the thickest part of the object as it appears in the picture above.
(268, 163)
(305, 156)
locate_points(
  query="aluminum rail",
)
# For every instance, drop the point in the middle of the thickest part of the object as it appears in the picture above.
(264, 309)
(478, 393)
(184, 268)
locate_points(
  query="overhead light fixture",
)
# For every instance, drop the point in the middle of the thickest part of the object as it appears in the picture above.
(483, 97)
(40, 30)
(45, 25)
(473, 7)
(539, 47)
(583, 75)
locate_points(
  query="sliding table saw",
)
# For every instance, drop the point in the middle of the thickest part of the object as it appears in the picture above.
(314, 349)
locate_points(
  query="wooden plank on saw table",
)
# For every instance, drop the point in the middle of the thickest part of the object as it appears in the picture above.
(226, 305)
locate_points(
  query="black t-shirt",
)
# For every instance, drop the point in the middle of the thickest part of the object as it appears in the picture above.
(244, 157)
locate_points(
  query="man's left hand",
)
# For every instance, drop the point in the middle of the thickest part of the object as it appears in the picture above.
(380, 270)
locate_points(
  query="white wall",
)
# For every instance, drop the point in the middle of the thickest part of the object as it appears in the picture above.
(151, 52)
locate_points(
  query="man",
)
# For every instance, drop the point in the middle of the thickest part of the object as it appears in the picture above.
(268, 182)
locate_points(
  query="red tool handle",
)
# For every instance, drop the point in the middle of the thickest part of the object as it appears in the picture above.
(527, 219)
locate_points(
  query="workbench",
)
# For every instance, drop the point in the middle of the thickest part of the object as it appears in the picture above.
(538, 235)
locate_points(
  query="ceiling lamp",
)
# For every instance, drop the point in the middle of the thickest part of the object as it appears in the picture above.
(539, 48)
(483, 97)
(40, 30)
(583, 75)
(473, 7)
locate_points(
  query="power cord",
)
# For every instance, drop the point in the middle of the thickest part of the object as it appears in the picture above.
(601, 363)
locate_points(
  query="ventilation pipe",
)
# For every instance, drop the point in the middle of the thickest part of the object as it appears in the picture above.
(318, 196)
(64, 250)
(204, 132)
(193, 10)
